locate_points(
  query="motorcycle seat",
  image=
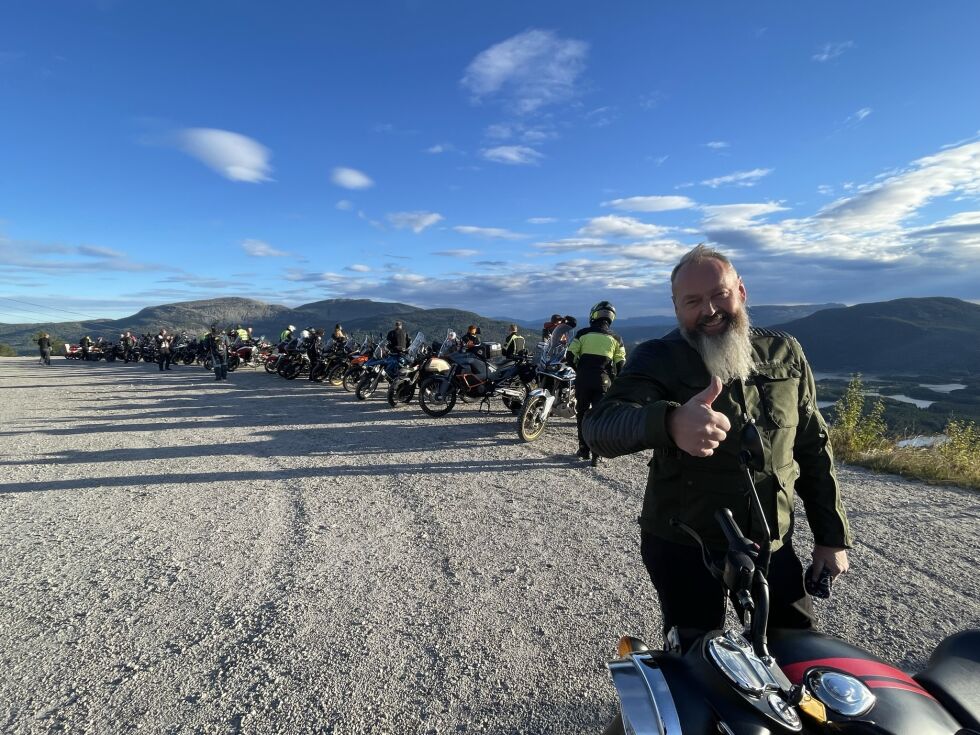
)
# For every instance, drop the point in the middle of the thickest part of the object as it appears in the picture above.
(501, 362)
(953, 676)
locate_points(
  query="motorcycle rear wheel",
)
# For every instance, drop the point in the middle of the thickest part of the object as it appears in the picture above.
(335, 376)
(530, 425)
(271, 365)
(208, 363)
(233, 363)
(351, 378)
(318, 373)
(290, 370)
(429, 397)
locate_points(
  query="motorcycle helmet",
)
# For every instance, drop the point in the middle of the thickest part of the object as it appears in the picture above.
(603, 310)
(304, 334)
(570, 321)
(291, 328)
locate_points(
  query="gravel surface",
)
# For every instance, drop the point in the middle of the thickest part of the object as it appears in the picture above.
(180, 555)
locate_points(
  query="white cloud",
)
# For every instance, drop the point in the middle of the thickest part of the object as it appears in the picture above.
(515, 155)
(259, 249)
(832, 50)
(717, 145)
(862, 113)
(738, 215)
(739, 178)
(97, 251)
(351, 178)
(885, 204)
(440, 148)
(344, 204)
(825, 190)
(529, 71)
(359, 268)
(650, 203)
(613, 225)
(493, 233)
(232, 155)
(414, 221)
(457, 253)
(542, 220)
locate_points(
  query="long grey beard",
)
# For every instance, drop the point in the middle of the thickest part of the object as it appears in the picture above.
(727, 355)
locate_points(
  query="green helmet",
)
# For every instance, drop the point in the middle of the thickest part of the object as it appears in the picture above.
(603, 310)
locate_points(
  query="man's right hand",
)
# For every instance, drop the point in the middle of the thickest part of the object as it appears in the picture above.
(694, 427)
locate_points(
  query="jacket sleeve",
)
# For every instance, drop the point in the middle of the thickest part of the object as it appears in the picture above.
(817, 485)
(632, 416)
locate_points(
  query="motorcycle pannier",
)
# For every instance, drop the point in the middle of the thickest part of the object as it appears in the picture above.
(488, 350)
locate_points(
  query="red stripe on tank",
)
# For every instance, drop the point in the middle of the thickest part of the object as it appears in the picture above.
(854, 666)
(889, 684)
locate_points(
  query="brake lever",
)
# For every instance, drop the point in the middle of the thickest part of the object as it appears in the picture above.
(718, 572)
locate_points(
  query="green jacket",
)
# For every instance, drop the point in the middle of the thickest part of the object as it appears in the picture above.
(780, 396)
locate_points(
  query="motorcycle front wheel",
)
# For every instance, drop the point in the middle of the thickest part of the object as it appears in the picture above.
(233, 363)
(429, 398)
(530, 425)
(401, 391)
(318, 373)
(271, 365)
(366, 387)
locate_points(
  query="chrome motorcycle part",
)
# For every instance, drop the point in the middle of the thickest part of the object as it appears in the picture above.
(840, 692)
(645, 699)
(784, 711)
(734, 657)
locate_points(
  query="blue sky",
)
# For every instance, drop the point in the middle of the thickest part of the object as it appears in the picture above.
(510, 158)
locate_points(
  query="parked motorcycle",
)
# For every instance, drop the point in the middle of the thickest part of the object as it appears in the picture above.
(384, 368)
(295, 361)
(410, 371)
(479, 374)
(555, 395)
(792, 681)
(355, 370)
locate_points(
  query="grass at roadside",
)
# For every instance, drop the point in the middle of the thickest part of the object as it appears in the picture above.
(858, 437)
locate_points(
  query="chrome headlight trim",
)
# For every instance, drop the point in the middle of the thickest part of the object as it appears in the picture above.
(733, 656)
(784, 711)
(840, 692)
(646, 703)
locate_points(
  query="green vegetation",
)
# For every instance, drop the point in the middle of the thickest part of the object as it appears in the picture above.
(7, 350)
(859, 436)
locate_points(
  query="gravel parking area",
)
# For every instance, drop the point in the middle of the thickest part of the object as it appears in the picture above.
(180, 555)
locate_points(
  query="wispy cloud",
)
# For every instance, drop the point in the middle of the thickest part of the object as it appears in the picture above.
(344, 204)
(857, 117)
(739, 178)
(514, 155)
(457, 253)
(492, 233)
(528, 71)
(542, 220)
(613, 225)
(717, 145)
(234, 156)
(440, 148)
(260, 249)
(350, 178)
(414, 221)
(358, 268)
(650, 203)
(830, 51)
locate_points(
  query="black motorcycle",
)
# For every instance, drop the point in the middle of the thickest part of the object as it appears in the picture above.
(734, 682)
(479, 374)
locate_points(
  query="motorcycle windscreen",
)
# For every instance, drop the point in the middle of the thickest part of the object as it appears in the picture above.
(554, 350)
(416, 345)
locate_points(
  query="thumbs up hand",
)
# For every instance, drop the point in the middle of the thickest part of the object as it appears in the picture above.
(695, 427)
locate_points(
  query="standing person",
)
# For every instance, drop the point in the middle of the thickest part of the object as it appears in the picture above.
(86, 344)
(163, 350)
(514, 343)
(216, 343)
(44, 346)
(286, 334)
(687, 396)
(314, 350)
(338, 335)
(597, 354)
(397, 339)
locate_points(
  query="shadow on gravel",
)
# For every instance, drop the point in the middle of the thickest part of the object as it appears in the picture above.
(327, 422)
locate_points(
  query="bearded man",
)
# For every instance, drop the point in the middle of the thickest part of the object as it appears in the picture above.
(687, 396)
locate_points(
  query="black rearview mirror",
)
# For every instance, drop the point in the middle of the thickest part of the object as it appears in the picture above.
(750, 451)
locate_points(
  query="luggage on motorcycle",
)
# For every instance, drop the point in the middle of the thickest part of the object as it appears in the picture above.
(487, 350)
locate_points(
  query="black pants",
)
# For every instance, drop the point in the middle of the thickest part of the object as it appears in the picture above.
(46, 357)
(587, 394)
(164, 361)
(693, 600)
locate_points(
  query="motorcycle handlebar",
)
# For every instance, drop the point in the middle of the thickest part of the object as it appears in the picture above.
(729, 527)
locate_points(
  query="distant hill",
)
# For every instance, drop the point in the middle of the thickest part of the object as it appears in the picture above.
(359, 316)
(927, 335)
